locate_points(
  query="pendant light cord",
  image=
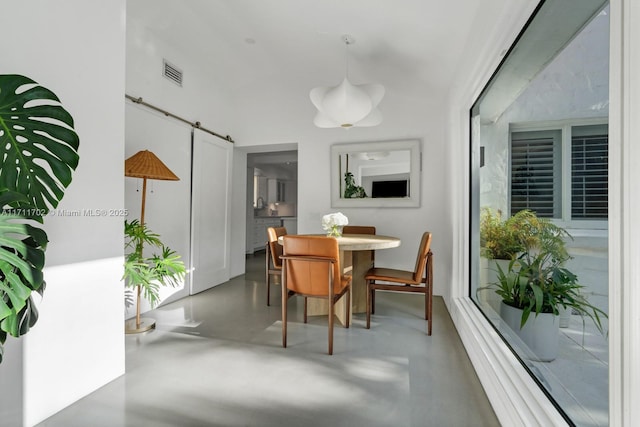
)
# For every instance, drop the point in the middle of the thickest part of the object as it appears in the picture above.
(348, 40)
(346, 59)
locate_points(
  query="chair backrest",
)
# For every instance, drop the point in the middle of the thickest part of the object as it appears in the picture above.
(274, 247)
(421, 260)
(358, 229)
(306, 274)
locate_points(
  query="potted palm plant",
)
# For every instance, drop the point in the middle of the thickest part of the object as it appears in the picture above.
(501, 241)
(145, 274)
(536, 285)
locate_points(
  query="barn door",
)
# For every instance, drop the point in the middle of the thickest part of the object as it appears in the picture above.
(211, 201)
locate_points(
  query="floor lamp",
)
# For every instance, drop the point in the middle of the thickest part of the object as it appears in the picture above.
(145, 165)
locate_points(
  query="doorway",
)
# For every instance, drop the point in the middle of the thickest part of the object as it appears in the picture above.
(272, 195)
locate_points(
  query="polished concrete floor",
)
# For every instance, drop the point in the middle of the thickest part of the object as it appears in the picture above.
(216, 359)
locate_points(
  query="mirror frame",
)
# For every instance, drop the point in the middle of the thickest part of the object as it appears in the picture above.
(415, 174)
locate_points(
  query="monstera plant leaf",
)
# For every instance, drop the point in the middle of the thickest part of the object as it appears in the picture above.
(22, 249)
(39, 150)
(38, 145)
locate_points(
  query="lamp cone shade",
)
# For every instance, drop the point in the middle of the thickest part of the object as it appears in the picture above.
(145, 164)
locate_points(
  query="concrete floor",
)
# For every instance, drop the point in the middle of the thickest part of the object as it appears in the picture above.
(216, 359)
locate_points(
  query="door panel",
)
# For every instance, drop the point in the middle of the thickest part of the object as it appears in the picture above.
(210, 230)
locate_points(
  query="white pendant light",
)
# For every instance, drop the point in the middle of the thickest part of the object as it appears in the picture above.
(347, 105)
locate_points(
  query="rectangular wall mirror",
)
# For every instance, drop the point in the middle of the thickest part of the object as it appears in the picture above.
(376, 174)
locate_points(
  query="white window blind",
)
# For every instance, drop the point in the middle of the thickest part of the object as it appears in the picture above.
(536, 172)
(589, 172)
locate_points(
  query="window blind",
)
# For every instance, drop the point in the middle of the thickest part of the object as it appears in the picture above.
(589, 175)
(534, 177)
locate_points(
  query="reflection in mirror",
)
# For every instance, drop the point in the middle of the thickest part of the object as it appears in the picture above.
(376, 174)
(380, 174)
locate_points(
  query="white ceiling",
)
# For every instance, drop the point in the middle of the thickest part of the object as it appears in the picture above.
(412, 47)
(415, 48)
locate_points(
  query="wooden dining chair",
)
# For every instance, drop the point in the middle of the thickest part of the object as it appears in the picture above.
(273, 263)
(361, 229)
(311, 268)
(358, 229)
(420, 280)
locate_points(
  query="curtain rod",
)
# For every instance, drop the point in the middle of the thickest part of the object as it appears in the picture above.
(196, 125)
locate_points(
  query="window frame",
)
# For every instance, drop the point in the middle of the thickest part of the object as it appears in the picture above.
(564, 126)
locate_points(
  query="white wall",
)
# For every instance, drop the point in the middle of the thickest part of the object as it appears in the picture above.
(201, 97)
(239, 214)
(11, 378)
(76, 49)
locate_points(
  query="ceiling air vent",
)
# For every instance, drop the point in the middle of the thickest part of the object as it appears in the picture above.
(172, 73)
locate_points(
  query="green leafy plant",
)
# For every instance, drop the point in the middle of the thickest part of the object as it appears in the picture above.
(501, 239)
(147, 274)
(351, 190)
(537, 280)
(39, 150)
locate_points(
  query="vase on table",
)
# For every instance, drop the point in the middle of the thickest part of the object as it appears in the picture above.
(335, 231)
(332, 223)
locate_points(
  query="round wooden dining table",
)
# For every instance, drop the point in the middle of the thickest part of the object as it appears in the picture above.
(356, 256)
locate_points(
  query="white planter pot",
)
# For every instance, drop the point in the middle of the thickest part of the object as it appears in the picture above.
(540, 333)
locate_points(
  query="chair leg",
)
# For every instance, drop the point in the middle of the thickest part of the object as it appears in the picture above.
(426, 301)
(284, 319)
(348, 307)
(373, 301)
(266, 269)
(331, 308)
(305, 309)
(268, 289)
(369, 292)
(430, 319)
(284, 316)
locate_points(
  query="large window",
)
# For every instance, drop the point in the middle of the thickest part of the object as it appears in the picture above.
(539, 144)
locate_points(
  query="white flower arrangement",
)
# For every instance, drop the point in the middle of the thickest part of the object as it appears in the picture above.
(332, 223)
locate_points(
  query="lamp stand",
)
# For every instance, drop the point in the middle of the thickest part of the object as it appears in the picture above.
(140, 324)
